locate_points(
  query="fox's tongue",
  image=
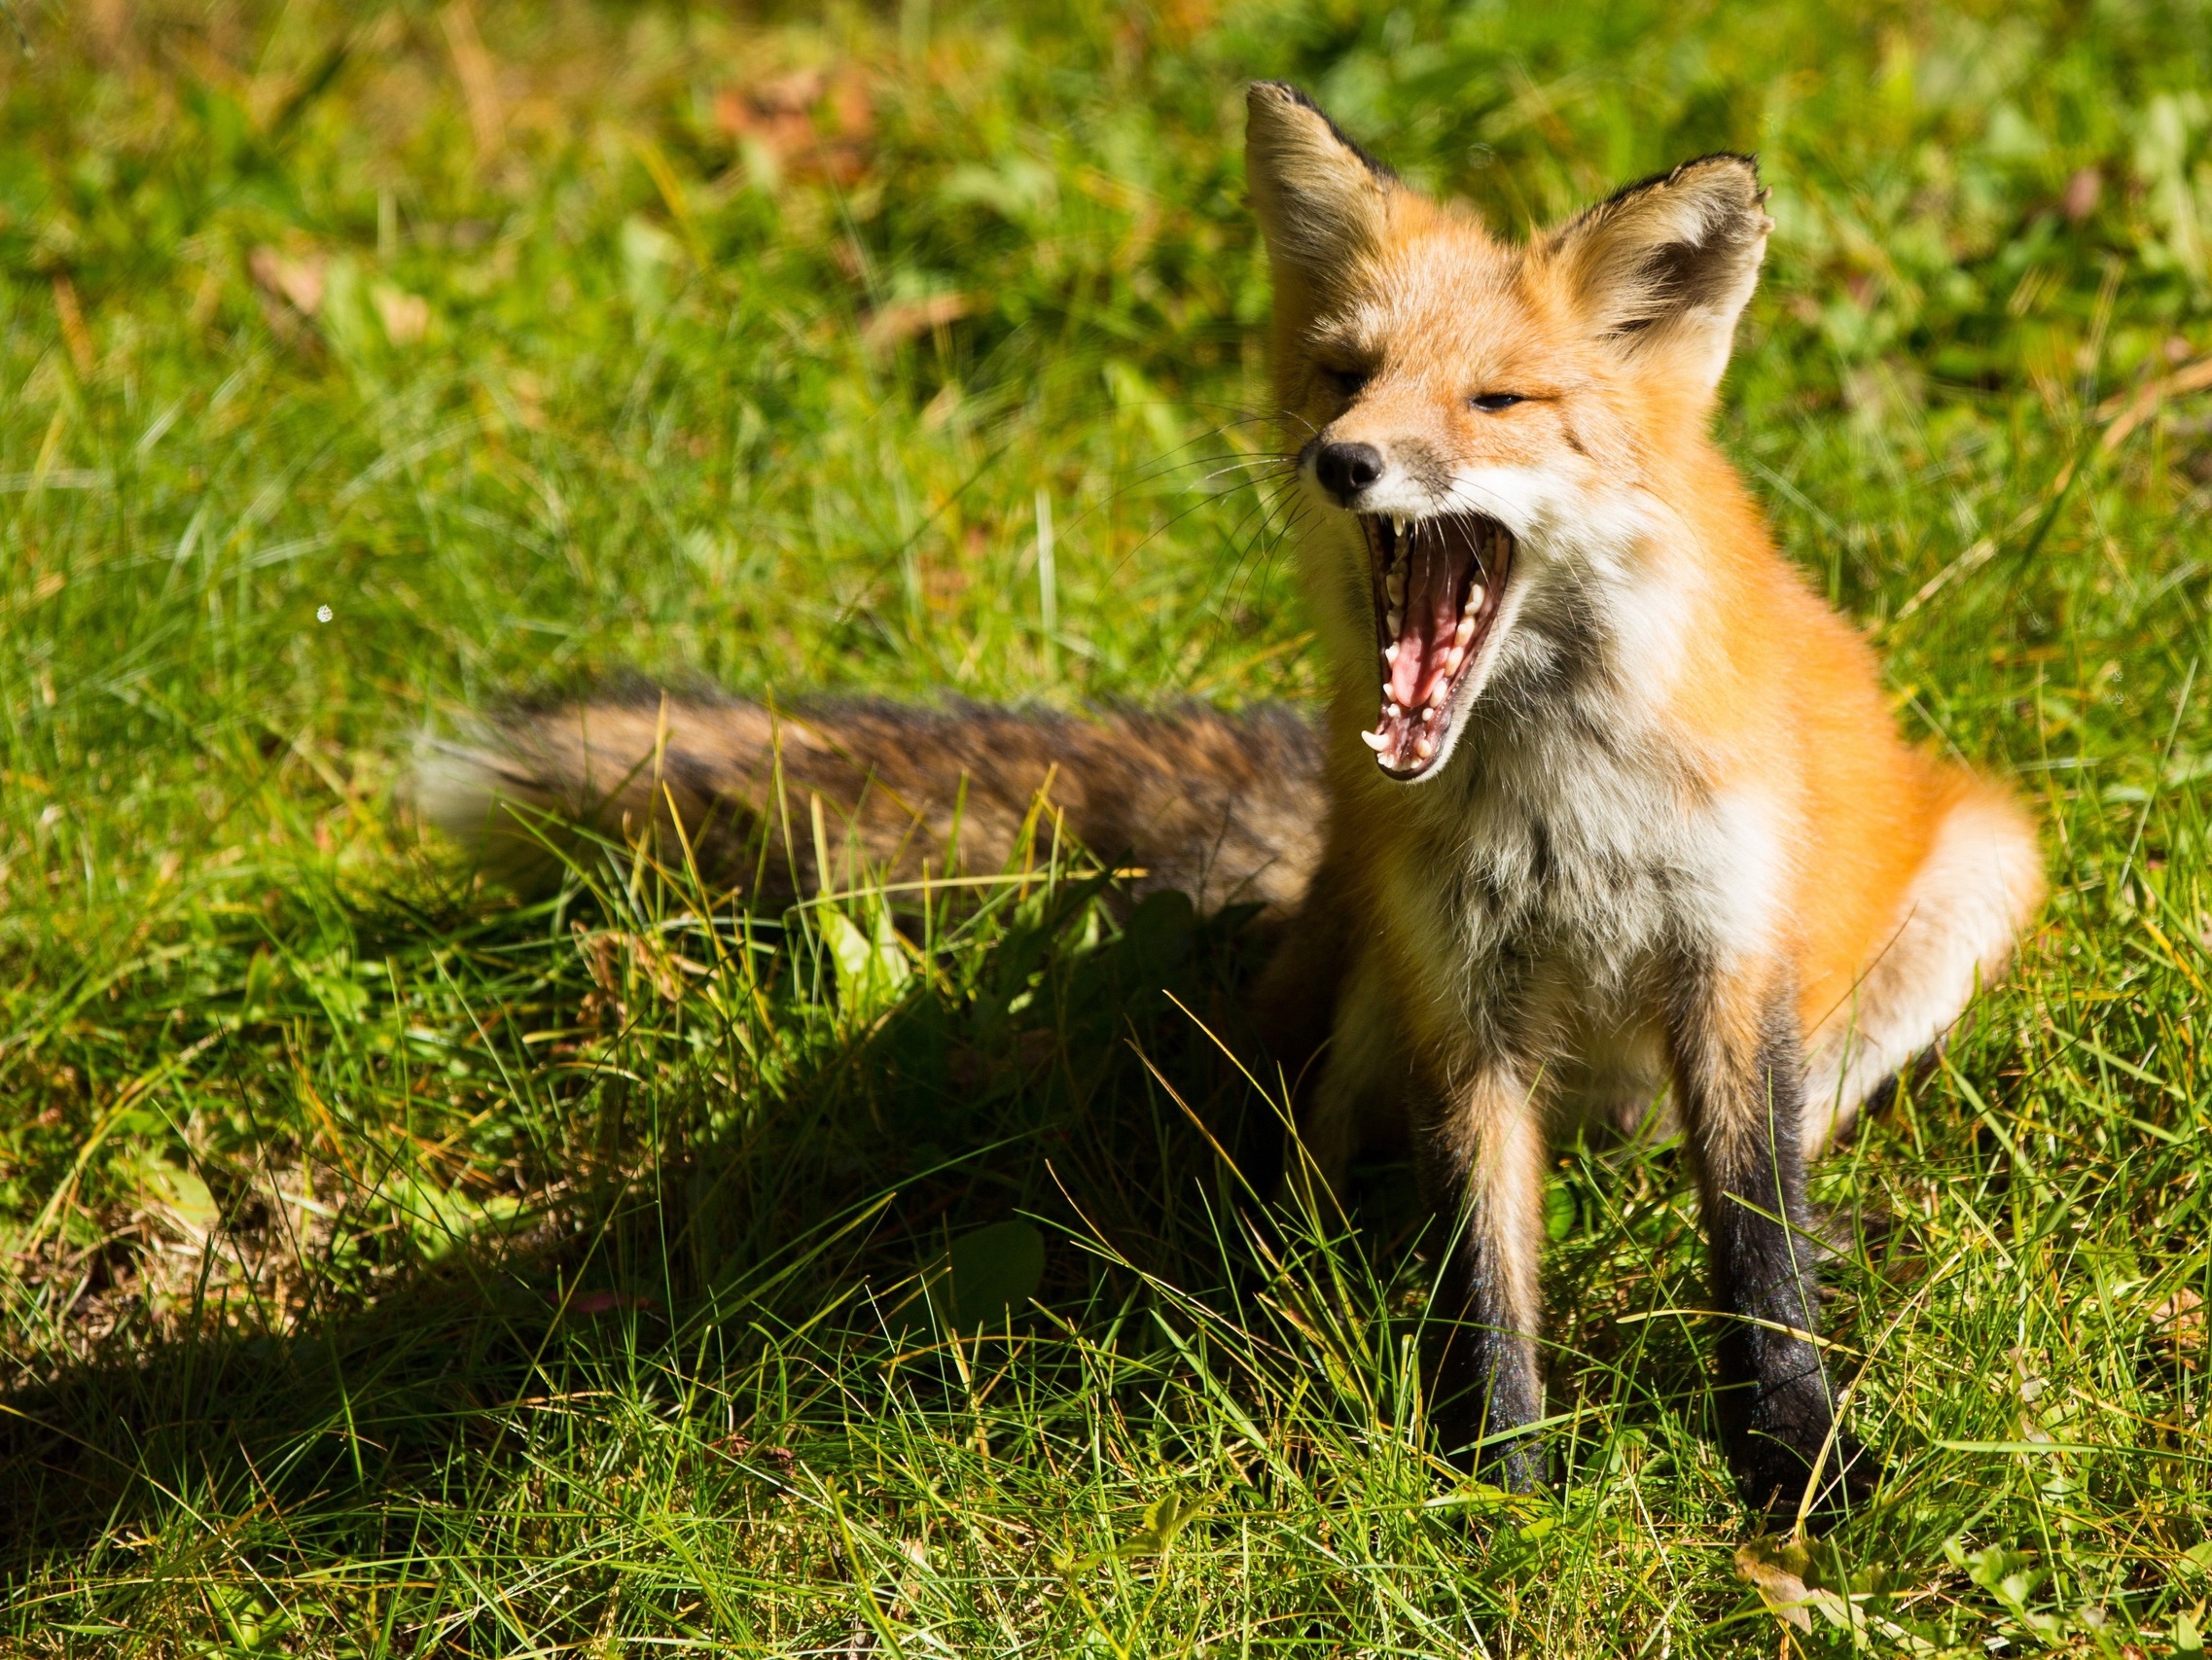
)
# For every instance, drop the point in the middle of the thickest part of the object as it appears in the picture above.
(1434, 593)
(1433, 635)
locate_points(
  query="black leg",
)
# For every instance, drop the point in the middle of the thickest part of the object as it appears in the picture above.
(1740, 1071)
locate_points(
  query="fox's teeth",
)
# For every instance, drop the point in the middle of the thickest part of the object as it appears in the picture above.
(1394, 584)
(1432, 713)
(1424, 747)
(1462, 635)
(1375, 741)
(1392, 710)
(1440, 691)
(1398, 523)
(1396, 619)
(1390, 654)
(1474, 597)
(1452, 661)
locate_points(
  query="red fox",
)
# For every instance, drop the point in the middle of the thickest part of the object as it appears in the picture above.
(1606, 809)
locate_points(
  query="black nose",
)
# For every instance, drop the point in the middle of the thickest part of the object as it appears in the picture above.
(1344, 469)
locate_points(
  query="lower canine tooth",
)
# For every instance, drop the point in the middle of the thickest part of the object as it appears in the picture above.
(1375, 741)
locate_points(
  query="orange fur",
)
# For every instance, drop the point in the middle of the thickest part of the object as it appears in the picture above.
(1618, 813)
(1758, 690)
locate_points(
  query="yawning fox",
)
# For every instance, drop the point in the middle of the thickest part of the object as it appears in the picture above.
(1606, 809)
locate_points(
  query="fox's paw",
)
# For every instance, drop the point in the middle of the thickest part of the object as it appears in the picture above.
(1775, 1475)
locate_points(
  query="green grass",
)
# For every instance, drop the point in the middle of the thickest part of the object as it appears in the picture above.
(392, 1268)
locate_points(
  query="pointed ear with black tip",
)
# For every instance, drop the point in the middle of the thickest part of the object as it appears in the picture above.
(1664, 267)
(1321, 200)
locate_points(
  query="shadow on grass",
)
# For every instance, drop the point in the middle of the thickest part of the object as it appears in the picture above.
(755, 1202)
(1059, 1079)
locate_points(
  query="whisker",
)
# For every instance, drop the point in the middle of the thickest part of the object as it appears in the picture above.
(1257, 560)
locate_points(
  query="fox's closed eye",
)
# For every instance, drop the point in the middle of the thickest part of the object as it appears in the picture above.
(1350, 382)
(1490, 403)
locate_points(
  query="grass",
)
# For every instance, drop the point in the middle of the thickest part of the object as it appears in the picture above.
(394, 1268)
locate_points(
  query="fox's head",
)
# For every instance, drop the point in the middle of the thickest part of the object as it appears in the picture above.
(1492, 431)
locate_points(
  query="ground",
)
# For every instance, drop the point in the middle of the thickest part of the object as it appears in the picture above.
(396, 1266)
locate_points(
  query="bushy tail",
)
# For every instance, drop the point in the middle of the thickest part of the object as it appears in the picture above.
(1225, 809)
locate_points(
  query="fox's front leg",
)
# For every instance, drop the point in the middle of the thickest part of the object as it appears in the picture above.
(1740, 1068)
(1481, 1151)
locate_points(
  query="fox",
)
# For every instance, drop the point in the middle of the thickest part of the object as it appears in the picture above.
(1604, 820)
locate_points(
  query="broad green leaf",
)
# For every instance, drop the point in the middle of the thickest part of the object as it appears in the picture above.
(992, 1271)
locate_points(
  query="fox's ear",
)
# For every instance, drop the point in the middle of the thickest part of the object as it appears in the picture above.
(1321, 200)
(1666, 265)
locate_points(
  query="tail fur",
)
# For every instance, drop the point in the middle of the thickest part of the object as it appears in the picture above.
(1225, 809)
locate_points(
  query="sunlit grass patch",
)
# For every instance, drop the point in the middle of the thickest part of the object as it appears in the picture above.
(399, 1266)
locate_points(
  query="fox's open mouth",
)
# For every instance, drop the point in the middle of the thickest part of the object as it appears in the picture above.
(1438, 583)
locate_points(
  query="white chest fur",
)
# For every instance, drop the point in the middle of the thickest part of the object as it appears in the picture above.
(1556, 881)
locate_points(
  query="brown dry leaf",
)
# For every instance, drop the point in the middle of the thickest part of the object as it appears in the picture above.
(661, 969)
(2082, 193)
(791, 95)
(1775, 1564)
(73, 330)
(735, 1446)
(658, 967)
(2181, 1322)
(603, 1004)
(915, 1551)
(903, 319)
(297, 279)
(810, 121)
(2127, 411)
(406, 316)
